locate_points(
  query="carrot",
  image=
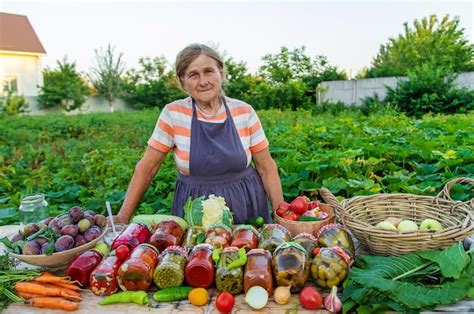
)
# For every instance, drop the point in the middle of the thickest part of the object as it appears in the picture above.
(54, 303)
(26, 295)
(68, 286)
(47, 290)
(50, 278)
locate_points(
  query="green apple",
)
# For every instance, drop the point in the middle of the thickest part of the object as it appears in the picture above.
(385, 225)
(430, 225)
(394, 220)
(103, 248)
(407, 226)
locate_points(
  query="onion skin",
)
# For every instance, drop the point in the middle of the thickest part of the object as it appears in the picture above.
(282, 295)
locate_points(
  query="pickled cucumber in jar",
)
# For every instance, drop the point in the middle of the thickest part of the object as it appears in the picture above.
(306, 240)
(336, 235)
(273, 235)
(230, 280)
(170, 270)
(330, 266)
(194, 236)
(290, 266)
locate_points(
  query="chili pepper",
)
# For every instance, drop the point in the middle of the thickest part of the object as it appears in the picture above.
(240, 261)
(216, 255)
(138, 297)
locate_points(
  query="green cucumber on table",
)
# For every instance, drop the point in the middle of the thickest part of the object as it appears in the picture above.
(172, 294)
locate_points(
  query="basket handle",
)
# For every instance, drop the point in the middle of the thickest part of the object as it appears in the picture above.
(445, 193)
(329, 198)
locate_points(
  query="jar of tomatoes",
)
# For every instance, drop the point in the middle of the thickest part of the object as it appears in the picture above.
(136, 273)
(132, 236)
(258, 270)
(103, 280)
(199, 272)
(272, 235)
(218, 235)
(245, 235)
(170, 270)
(167, 233)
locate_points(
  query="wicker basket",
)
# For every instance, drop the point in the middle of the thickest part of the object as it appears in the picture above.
(361, 213)
(312, 227)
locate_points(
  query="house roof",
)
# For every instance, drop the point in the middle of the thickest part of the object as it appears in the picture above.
(17, 35)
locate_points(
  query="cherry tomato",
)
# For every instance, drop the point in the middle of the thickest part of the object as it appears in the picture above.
(299, 205)
(225, 302)
(122, 252)
(310, 298)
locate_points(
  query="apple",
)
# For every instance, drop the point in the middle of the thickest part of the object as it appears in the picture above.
(407, 226)
(385, 225)
(430, 225)
(394, 220)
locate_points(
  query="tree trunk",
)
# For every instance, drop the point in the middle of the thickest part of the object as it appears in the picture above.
(111, 105)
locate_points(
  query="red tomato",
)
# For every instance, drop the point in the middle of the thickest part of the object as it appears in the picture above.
(225, 302)
(299, 205)
(310, 298)
(280, 212)
(313, 204)
(122, 252)
(290, 216)
(284, 206)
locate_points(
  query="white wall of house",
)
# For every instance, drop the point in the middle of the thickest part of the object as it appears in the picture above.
(27, 69)
(352, 92)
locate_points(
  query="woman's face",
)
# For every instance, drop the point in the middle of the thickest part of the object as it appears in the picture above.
(203, 80)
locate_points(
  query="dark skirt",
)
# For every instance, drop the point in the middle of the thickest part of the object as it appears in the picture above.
(243, 192)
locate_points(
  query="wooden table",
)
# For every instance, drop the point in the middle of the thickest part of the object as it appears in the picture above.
(90, 301)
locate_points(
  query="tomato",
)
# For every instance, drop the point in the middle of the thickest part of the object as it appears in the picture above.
(313, 204)
(122, 252)
(280, 212)
(310, 298)
(225, 302)
(299, 205)
(290, 216)
(284, 205)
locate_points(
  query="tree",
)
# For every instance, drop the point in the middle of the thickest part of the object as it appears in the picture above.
(13, 105)
(106, 75)
(63, 87)
(440, 43)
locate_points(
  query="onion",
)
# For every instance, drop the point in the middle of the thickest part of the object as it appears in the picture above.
(256, 297)
(332, 302)
(282, 295)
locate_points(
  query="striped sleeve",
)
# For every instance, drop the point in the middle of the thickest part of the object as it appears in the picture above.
(162, 138)
(258, 140)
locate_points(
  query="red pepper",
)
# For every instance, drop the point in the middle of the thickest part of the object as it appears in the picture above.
(299, 205)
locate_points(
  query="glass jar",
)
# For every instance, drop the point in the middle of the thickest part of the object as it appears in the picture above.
(219, 236)
(229, 280)
(33, 208)
(336, 235)
(132, 236)
(194, 235)
(258, 270)
(81, 267)
(170, 270)
(199, 272)
(103, 279)
(136, 273)
(330, 266)
(245, 235)
(167, 233)
(308, 241)
(272, 235)
(290, 266)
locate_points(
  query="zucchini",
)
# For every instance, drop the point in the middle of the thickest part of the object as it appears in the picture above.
(153, 220)
(172, 294)
(307, 218)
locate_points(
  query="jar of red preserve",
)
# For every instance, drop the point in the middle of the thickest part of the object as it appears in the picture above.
(81, 267)
(200, 270)
(103, 280)
(167, 233)
(245, 235)
(132, 236)
(136, 273)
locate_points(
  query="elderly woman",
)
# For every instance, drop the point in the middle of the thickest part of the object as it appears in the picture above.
(214, 139)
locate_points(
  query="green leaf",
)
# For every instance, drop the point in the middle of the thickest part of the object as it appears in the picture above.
(193, 211)
(452, 261)
(335, 184)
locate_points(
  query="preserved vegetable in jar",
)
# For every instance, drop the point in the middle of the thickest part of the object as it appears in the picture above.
(194, 235)
(245, 235)
(199, 272)
(330, 266)
(258, 270)
(103, 280)
(170, 270)
(306, 240)
(132, 236)
(167, 233)
(81, 267)
(272, 235)
(336, 235)
(229, 280)
(290, 266)
(136, 273)
(218, 235)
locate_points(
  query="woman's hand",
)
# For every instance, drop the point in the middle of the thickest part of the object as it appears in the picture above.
(120, 219)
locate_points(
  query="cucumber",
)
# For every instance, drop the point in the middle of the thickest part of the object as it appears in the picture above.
(307, 218)
(152, 220)
(172, 294)
(257, 221)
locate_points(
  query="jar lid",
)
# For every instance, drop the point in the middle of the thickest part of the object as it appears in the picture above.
(219, 225)
(230, 249)
(259, 252)
(174, 249)
(203, 246)
(273, 226)
(285, 245)
(305, 235)
(329, 227)
(150, 246)
(246, 227)
(339, 251)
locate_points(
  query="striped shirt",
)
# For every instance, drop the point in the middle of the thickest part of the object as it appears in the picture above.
(173, 129)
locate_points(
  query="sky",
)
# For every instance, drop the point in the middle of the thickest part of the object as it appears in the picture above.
(348, 33)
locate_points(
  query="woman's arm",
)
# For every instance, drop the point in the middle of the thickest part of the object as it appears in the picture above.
(145, 171)
(268, 171)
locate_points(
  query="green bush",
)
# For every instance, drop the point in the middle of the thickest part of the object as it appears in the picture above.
(13, 105)
(430, 89)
